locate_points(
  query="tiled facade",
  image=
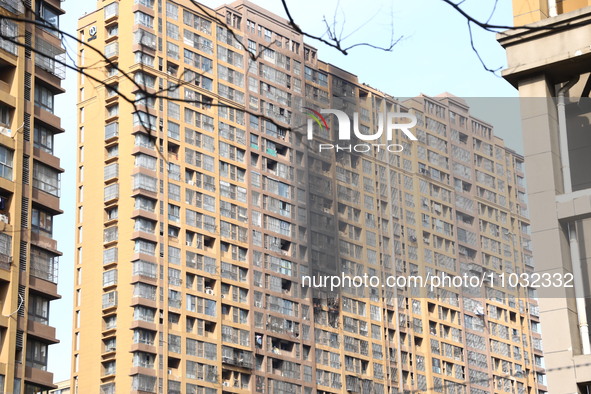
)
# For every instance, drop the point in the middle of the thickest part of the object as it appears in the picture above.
(30, 78)
(214, 204)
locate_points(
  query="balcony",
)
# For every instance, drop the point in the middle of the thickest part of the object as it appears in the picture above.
(111, 131)
(44, 265)
(39, 377)
(110, 300)
(238, 358)
(50, 58)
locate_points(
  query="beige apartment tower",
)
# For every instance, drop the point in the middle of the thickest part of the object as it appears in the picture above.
(31, 71)
(201, 203)
(549, 65)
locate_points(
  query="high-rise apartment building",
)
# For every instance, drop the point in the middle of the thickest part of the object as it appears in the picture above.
(549, 65)
(214, 204)
(30, 78)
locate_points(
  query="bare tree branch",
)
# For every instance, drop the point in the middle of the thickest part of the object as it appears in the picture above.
(334, 39)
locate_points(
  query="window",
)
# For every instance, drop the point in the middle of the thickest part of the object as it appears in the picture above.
(144, 120)
(145, 204)
(6, 162)
(4, 115)
(145, 182)
(145, 268)
(174, 213)
(49, 17)
(146, 3)
(145, 247)
(174, 111)
(44, 98)
(144, 19)
(145, 161)
(112, 49)
(109, 278)
(144, 313)
(144, 225)
(147, 60)
(5, 244)
(110, 255)
(112, 110)
(198, 42)
(38, 309)
(144, 140)
(144, 290)
(145, 38)
(42, 222)
(46, 179)
(112, 31)
(43, 139)
(172, 50)
(37, 355)
(111, 10)
(172, 31)
(8, 29)
(172, 11)
(144, 383)
(145, 80)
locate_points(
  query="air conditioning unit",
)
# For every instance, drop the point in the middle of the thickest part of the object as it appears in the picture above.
(3, 218)
(192, 183)
(208, 291)
(226, 384)
(258, 304)
(6, 131)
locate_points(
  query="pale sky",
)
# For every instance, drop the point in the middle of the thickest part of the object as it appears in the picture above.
(434, 57)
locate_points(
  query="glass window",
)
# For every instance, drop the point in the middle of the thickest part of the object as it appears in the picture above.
(145, 3)
(38, 309)
(44, 98)
(172, 11)
(4, 115)
(144, 19)
(6, 162)
(42, 222)
(111, 10)
(49, 16)
(37, 355)
(112, 49)
(46, 179)
(43, 139)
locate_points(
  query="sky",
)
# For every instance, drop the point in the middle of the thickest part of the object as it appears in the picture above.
(433, 56)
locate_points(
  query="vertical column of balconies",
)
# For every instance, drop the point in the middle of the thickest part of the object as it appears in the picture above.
(280, 246)
(30, 79)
